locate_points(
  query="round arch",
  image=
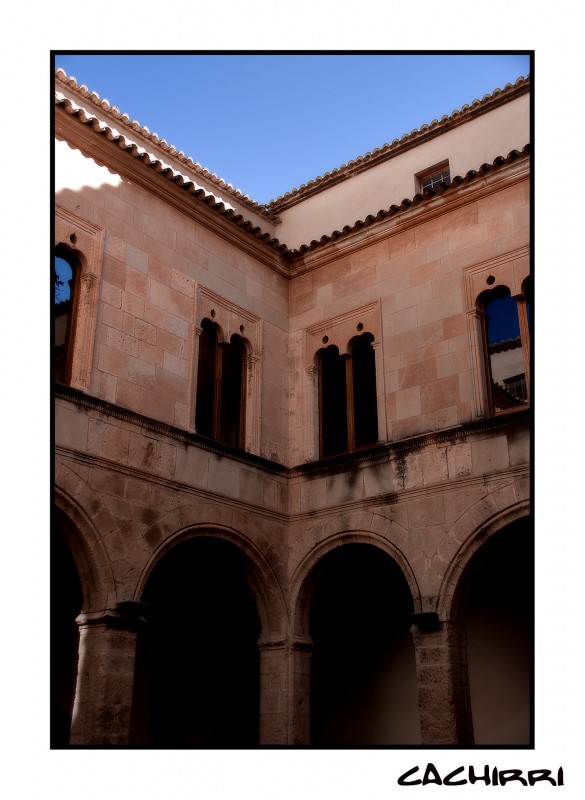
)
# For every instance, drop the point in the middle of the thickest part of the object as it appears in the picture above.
(304, 578)
(352, 597)
(262, 581)
(88, 551)
(450, 590)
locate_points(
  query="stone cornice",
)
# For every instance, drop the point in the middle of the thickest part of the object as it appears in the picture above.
(410, 214)
(103, 109)
(109, 148)
(399, 146)
(150, 175)
(111, 410)
(377, 454)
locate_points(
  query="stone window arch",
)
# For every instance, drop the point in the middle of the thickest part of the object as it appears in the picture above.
(348, 418)
(66, 268)
(220, 406)
(80, 244)
(506, 348)
(499, 295)
(344, 397)
(226, 372)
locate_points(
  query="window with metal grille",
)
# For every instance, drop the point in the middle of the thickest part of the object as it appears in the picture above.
(434, 178)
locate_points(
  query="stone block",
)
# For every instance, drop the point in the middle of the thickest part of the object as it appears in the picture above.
(137, 283)
(459, 460)
(441, 393)
(426, 511)
(408, 403)
(107, 441)
(136, 258)
(434, 465)
(113, 361)
(490, 455)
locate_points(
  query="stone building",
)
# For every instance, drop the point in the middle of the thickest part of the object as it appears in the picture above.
(292, 441)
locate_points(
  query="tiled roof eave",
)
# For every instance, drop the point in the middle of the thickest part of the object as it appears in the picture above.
(288, 255)
(167, 151)
(417, 200)
(165, 170)
(398, 146)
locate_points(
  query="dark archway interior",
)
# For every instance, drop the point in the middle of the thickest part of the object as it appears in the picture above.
(363, 673)
(66, 602)
(499, 615)
(198, 665)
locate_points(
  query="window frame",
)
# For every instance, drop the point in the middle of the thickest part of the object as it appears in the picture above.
(86, 240)
(512, 270)
(338, 330)
(524, 346)
(346, 368)
(429, 173)
(230, 319)
(72, 257)
(219, 390)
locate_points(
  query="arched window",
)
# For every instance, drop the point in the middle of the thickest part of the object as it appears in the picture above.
(506, 349)
(348, 418)
(220, 402)
(64, 276)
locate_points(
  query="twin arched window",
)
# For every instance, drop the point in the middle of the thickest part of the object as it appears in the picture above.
(348, 416)
(506, 340)
(221, 376)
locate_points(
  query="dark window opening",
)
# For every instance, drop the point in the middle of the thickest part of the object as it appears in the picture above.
(365, 405)
(220, 402)
(506, 350)
(333, 402)
(65, 268)
(347, 397)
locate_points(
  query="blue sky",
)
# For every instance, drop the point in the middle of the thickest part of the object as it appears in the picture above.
(269, 123)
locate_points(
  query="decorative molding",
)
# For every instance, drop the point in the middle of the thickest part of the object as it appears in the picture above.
(339, 331)
(232, 319)
(490, 425)
(509, 269)
(86, 240)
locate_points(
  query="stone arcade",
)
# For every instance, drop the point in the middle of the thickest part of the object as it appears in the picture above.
(292, 441)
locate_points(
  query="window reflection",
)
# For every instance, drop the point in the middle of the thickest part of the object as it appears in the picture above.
(63, 285)
(504, 350)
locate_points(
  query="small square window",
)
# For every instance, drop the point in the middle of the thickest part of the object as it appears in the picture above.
(433, 178)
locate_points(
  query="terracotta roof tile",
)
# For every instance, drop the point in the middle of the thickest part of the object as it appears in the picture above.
(370, 159)
(125, 122)
(184, 182)
(394, 209)
(166, 170)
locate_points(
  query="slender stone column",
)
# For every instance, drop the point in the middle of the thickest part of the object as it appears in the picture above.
(443, 683)
(105, 675)
(300, 691)
(273, 692)
(285, 691)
